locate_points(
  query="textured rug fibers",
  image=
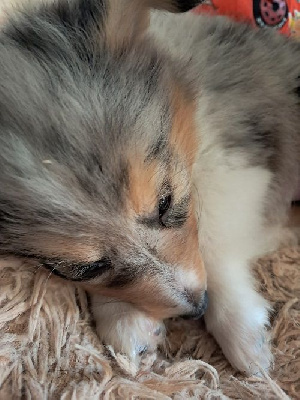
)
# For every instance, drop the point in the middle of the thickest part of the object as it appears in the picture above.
(49, 350)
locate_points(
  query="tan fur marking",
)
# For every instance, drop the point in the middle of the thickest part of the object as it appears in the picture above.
(143, 181)
(183, 136)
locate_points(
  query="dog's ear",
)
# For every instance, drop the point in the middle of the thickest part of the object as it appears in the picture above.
(127, 20)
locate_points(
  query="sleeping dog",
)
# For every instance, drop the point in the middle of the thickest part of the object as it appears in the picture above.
(150, 158)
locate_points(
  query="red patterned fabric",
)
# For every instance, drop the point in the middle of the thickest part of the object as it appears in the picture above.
(276, 14)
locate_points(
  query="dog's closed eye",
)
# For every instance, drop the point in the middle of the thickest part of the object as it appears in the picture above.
(78, 272)
(163, 207)
(94, 269)
(171, 214)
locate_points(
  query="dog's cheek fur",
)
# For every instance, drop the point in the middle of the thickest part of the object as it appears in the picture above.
(181, 247)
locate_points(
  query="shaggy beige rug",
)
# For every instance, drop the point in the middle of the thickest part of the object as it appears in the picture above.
(49, 350)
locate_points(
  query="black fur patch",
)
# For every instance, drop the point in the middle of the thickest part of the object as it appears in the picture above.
(186, 5)
(124, 277)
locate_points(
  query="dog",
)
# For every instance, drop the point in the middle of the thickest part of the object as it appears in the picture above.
(149, 157)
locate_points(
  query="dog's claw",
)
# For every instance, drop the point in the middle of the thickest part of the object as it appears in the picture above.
(157, 331)
(142, 350)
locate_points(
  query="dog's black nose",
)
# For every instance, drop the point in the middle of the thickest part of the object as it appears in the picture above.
(199, 309)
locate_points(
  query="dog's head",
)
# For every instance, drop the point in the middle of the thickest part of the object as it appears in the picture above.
(97, 142)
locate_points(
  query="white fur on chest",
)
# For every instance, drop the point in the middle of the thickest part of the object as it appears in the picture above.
(231, 198)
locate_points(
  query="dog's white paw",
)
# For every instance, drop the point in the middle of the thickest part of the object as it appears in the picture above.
(127, 330)
(243, 338)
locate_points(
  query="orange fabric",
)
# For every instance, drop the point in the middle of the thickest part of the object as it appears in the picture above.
(250, 11)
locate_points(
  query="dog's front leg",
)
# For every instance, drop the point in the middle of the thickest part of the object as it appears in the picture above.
(233, 233)
(237, 317)
(127, 329)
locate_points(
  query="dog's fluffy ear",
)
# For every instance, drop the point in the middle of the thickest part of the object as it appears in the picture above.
(127, 20)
